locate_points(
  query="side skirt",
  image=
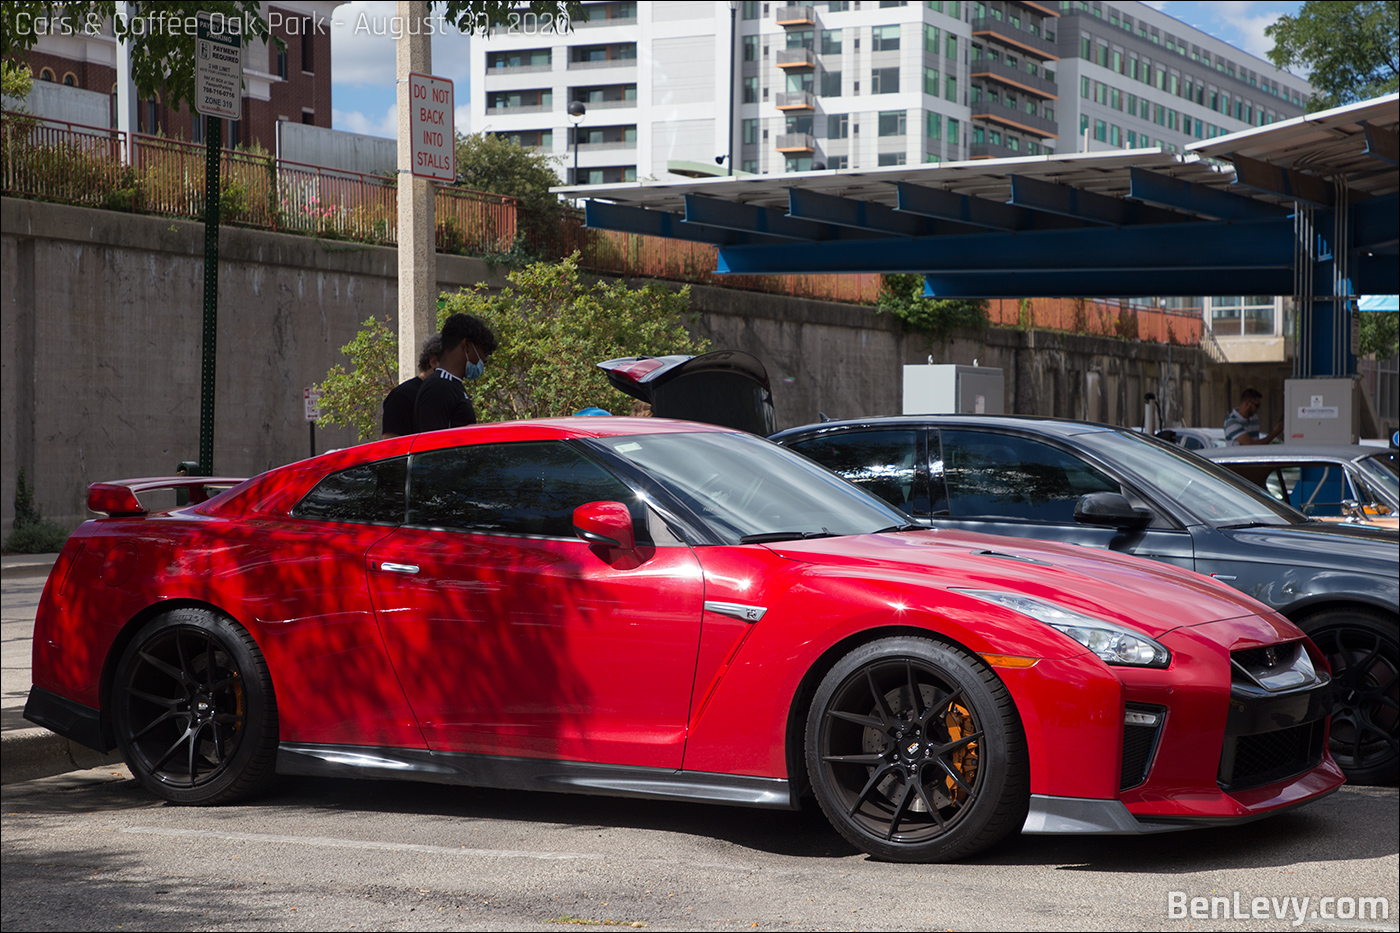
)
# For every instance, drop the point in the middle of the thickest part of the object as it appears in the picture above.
(567, 777)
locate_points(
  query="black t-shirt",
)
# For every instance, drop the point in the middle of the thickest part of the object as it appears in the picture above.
(398, 407)
(442, 403)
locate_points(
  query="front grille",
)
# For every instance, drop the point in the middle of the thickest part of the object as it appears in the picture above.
(1139, 742)
(1265, 757)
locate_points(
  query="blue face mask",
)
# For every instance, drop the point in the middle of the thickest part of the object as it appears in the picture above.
(474, 370)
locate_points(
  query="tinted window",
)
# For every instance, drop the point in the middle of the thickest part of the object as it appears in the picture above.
(515, 489)
(882, 462)
(1004, 476)
(372, 493)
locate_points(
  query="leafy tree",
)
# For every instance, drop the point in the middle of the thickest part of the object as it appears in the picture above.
(495, 164)
(1379, 335)
(16, 80)
(162, 49)
(354, 397)
(938, 318)
(1351, 50)
(31, 533)
(551, 330)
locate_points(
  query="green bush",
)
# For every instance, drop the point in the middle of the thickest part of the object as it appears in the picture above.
(32, 534)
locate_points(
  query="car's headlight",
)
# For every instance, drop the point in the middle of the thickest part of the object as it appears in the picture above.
(1114, 643)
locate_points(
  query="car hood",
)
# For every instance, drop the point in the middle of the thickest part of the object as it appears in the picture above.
(1326, 545)
(1152, 597)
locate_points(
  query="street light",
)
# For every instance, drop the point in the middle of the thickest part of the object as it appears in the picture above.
(576, 112)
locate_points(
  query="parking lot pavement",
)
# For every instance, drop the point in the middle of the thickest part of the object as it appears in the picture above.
(26, 750)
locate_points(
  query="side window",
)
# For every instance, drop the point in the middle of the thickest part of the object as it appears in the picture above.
(527, 488)
(992, 475)
(885, 463)
(370, 494)
(1319, 490)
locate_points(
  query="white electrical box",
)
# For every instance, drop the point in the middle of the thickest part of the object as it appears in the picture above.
(952, 389)
(1321, 411)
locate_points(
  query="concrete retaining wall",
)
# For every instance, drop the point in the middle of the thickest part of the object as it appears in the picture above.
(101, 316)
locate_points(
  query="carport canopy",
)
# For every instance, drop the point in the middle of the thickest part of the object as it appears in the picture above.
(1309, 207)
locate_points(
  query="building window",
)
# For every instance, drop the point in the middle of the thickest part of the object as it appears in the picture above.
(931, 36)
(46, 74)
(930, 81)
(891, 158)
(308, 58)
(952, 131)
(838, 163)
(884, 81)
(798, 164)
(884, 38)
(750, 166)
(952, 50)
(838, 125)
(892, 122)
(750, 48)
(750, 9)
(933, 127)
(750, 132)
(280, 68)
(951, 91)
(831, 42)
(750, 90)
(831, 84)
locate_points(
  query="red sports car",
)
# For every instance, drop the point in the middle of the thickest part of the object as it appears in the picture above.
(663, 609)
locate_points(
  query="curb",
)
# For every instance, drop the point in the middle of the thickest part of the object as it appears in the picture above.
(27, 754)
(37, 565)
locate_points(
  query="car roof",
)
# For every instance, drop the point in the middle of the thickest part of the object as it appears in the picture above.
(1060, 427)
(1289, 452)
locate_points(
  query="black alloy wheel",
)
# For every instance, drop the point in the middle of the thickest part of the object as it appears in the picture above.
(916, 753)
(194, 710)
(1365, 658)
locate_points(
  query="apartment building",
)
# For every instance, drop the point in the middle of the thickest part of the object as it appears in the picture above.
(855, 84)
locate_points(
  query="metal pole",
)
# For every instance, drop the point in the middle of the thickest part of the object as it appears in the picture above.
(733, 67)
(417, 252)
(213, 131)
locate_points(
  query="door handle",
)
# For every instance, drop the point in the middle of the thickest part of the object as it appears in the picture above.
(398, 568)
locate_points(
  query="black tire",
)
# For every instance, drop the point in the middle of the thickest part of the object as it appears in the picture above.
(916, 753)
(194, 710)
(1364, 652)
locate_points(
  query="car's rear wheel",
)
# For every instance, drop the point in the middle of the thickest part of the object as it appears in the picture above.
(194, 709)
(916, 753)
(1362, 649)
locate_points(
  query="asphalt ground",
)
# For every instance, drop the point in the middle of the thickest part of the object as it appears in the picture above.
(28, 751)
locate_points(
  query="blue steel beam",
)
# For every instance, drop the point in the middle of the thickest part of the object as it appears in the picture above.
(601, 215)
(1038, 194)
(1285, 182)
(1375, 224)
(979, 212)
(1166, 191)
(750, 218)
(1076, 284)
(867, 215)
(1382, 144)
(1183, 248)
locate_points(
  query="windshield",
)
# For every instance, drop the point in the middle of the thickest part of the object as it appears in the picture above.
(1208, 493)
(748, 489)
(1380, 470)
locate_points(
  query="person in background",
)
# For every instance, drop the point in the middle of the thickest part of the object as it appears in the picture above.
(398, 404)
(442, 399)
(1242, 424)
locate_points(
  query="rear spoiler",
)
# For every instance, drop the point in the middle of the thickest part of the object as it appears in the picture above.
(119, 496)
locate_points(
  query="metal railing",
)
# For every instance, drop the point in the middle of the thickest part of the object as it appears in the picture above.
(61, 161)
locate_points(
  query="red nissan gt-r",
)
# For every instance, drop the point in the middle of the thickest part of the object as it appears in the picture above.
(662, 609)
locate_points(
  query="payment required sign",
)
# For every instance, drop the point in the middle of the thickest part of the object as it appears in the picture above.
(430, 125)
(218, 74)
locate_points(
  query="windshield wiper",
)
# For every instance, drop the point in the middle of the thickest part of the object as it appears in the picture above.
(908, 526)
(770, 536)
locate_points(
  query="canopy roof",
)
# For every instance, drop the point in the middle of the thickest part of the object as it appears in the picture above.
(1219, 219)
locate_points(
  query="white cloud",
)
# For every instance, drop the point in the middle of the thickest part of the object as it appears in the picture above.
(1249, 22)
(362, 47)
(353, 121)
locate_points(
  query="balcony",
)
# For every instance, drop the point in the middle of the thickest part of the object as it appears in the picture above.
(986, 27)
(797, 142)
(797, 100)
(593, 105)
(796, 16)
(1045, 9)
(604, 63)
(1014, 77)
(1014, 118)
(993, 151)
(796, 58)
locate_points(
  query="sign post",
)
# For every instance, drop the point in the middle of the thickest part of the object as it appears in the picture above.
(218, 95)
(311, 398)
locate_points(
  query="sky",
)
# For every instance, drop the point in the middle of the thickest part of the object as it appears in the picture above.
(362, 52)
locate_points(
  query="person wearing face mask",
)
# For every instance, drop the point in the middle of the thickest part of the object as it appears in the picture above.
(442, 399)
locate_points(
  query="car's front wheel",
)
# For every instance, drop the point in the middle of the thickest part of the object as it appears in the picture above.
(194, 709)
(1362, 649)
(916, 753)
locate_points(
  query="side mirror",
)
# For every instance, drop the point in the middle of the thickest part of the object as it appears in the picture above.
(606, 523)
(1111, 509)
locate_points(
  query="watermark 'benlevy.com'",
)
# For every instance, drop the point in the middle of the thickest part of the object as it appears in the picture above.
(1298, 910)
